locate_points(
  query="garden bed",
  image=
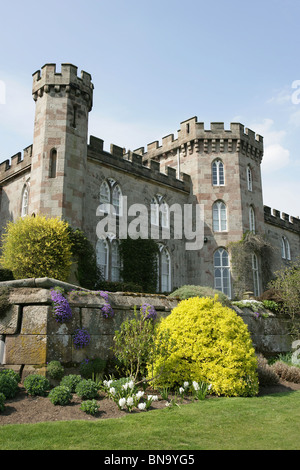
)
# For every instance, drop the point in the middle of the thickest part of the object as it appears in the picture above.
(26, 409)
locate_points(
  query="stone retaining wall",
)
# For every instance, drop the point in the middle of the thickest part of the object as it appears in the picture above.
(30, 336)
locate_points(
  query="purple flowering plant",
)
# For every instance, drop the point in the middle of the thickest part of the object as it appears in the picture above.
(107, 310)
(148, 311)
(81, 338)
(61, 309)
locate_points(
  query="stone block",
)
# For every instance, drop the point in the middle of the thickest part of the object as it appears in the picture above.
(9, 322)
(59, 348)
(26, 349)
(34, 320)
(99, 346)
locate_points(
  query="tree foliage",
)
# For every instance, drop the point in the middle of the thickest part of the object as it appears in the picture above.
(37, 246)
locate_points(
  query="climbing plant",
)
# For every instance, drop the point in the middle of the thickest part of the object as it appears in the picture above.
(241, 261)
(87, 273)
(139, 262)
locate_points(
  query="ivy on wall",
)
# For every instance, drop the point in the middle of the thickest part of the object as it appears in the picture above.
(241, 261)
(88, 273)
(139, 260)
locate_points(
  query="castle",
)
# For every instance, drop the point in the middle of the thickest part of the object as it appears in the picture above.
(63, 173)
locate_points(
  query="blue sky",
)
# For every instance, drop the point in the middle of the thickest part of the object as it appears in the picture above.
(157, 63)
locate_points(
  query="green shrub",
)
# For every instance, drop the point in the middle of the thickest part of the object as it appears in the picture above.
(8, 386)
(2, 401)
(55, 370)
(113, 286)
(60, 395)
(11, 373)
(71, 381)
(36, 384)
(87, 389)
(207, 343)
(90, 406)
(134, 343)
(92, 367)
(87, 273)
(186, 292)
(37, 247)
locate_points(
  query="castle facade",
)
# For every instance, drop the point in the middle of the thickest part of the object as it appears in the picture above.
(65, 173)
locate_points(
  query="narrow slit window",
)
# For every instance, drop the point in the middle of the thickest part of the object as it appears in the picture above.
(53, 163)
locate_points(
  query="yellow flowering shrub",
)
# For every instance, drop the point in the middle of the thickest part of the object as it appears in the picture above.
(208, 342)
(37, 246)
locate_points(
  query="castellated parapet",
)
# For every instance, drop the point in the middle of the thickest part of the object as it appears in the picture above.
(17, 164)
(282, 220)
(47, 78)
(192, 137)
(132, 163)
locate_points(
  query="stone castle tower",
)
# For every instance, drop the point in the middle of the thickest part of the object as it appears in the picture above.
(59, 153)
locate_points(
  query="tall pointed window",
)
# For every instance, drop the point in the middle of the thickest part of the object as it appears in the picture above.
(111, 195)
(251, 220)
(285, 249)
(104, 196)
(222, 271)
(164, 270)
(117, 199)
(249, 178)
(255, 274)
(102, 257)
(25, 200)
(219, 217)
(159, 206)
(218, 178)
(53, 163)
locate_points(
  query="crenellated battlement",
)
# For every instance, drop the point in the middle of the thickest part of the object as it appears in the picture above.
(132, 163)
(282, 220)
(48, 79)
(16, 164)
(193, 137)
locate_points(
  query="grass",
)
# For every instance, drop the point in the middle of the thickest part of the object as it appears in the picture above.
(259, 423)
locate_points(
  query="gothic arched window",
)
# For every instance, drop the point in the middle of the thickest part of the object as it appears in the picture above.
(285, 249)
(222, 271)
(219, 217)
(111, 195)
(164, 269)
(25, 201)
(251, 220)
(218, 178)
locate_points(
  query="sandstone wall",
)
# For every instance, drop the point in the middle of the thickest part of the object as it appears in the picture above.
(30, 336)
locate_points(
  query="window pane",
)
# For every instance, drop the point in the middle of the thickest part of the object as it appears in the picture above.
(105, 196)
(115, 262)
(102, 257)
(221, 174)
(116, 199)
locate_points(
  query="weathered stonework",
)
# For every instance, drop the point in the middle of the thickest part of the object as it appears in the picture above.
(32, 337)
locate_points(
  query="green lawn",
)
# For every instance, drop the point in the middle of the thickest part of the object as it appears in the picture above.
(259, 423)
